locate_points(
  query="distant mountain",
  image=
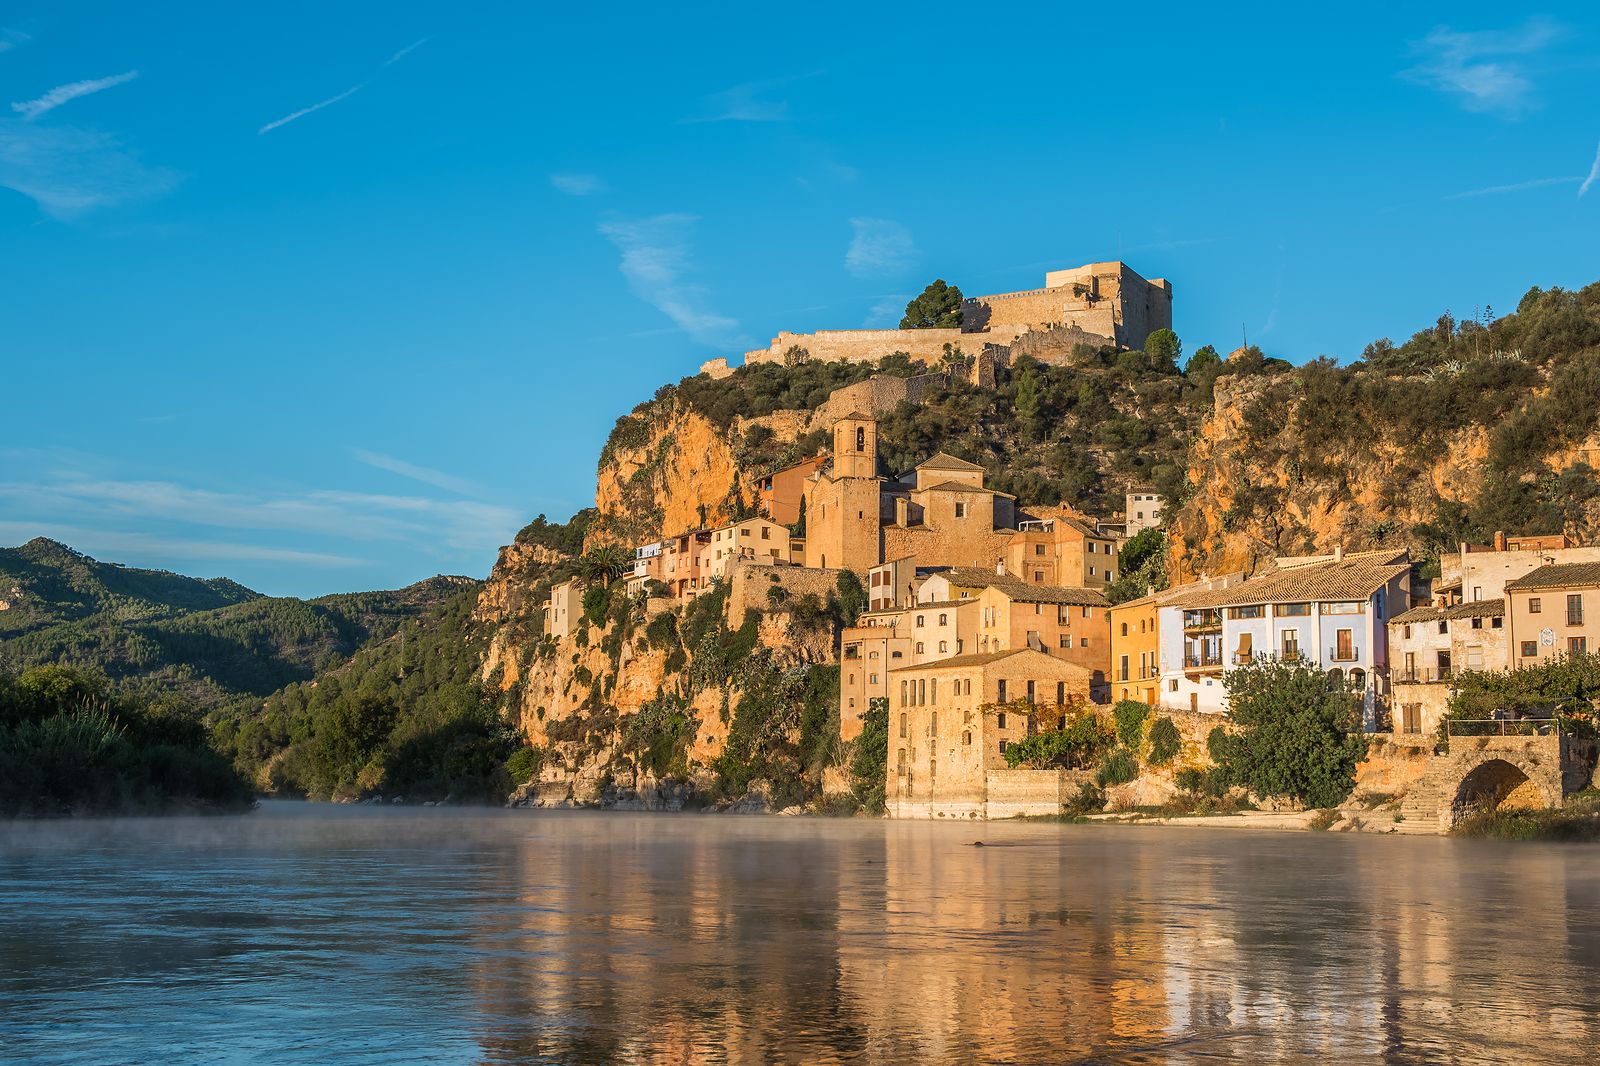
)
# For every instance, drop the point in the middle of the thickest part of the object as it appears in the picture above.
(211, 640)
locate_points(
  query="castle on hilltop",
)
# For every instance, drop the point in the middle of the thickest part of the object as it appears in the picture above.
(1097, 304)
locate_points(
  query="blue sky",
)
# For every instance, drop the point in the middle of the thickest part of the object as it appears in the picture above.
(336, 296)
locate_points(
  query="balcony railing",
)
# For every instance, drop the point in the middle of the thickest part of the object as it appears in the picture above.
(1420, 677)
(1200, 662)
(1344, 655)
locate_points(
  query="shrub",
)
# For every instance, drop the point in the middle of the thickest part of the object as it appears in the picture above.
(1164, 741)
(869, 760)
(1130, 716)
(524, 764)
(1296, 733)
(1190, 779)
(1079, 743)
(1117, 768)
(1088, 800)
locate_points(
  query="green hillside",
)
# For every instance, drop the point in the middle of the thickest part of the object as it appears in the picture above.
(152, 632)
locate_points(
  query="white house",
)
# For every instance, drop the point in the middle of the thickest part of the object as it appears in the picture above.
(1332, 614)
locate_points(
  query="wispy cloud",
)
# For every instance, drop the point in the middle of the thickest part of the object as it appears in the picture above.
(69, 171)
(749, 102)
(1594, 172)
(887, 312)
(1520, 186)
(334, 99)
(655, 258)
(9, 39)
(61, 94)
(118, 546)
(1484, 69)
(577, 184)
(427, 476)
(879, 247)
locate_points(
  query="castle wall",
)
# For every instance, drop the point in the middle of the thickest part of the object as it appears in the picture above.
(860, 345)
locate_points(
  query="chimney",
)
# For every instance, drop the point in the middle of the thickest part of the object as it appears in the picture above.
(1499, 540)
(1000, 566)
(1338, 553)
(902, 512)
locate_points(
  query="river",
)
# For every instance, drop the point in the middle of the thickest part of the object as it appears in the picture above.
(320, 934)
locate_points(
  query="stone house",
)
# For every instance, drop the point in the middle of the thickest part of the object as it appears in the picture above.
(1063, 549)
(1136, 650)
(893, 583)
(1428, 646)
(778, 494)
(562, 608)
(750, 538)
(680, 563)
(844, 502)
(1481, 571)
(1066, 623)
(1553, 611)
(1142, 510)
(950, 721)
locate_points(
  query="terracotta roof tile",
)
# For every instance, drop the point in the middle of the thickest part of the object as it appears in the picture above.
(1472, 609)
(1348, 579)
(1557, 575)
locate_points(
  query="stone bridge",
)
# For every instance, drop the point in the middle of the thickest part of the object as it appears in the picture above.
(1498, 771)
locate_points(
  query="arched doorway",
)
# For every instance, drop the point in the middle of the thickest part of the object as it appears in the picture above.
(1497, 785)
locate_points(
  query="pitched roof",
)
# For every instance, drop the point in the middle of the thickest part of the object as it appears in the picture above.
(1471, 609)
(985, 658)
(946, 461)
(1348, 579)
(1557, 575)
(1017, 589)
(961, 486)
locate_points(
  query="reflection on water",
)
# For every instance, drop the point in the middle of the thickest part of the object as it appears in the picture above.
(318, 934)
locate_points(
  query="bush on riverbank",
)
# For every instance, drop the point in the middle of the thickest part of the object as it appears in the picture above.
(68, 745)
(1578, 820)
(1295, 733)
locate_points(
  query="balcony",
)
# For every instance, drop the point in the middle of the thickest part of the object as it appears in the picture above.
(1420, 676)
(1205, 661)
(1202, 622)
(1344, 655)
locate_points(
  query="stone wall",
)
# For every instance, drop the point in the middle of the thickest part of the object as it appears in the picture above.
(750, 579)
(942, 547)
(1055, 346)
(859, 345)
(1022, 793)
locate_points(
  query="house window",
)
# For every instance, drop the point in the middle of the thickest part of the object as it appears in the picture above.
(861, 438)
(1496, 622)
(919, 647)
(1577, 645)
(1344, 648)
(1001, 719)
(1405, 631)
(766, 534)
(1061, 699)
(1122, 674)
(1530, 649)
(1038, 577)
(1000, 697)
(933, 696)
(1124, 629)
(961, 510)
(1066, 641)
(1574, 610)
(903, 702)
(944, 619)
(1477, 623)
(1444, 626)
(966, 738)
(1534, 605)
(902, 726)
(919, 621)
(1091, 570)
(944, 646)
(1247, 612)
(872, 679)
(1291, 644)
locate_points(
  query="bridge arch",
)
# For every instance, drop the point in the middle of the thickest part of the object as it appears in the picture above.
(1505, 779)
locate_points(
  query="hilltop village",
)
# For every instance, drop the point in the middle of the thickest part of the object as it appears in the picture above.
(977, 622)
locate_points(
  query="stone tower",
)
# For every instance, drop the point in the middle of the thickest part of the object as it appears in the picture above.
(855, 446)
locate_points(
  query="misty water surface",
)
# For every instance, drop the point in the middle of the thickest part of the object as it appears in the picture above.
(335, 934)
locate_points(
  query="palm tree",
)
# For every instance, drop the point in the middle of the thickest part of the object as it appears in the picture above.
(604, 563)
